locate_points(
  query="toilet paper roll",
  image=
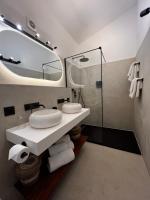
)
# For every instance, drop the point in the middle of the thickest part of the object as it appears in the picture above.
(19, 153)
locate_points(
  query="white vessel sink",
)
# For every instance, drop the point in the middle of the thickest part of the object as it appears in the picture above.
(71, 108)
(45, 118)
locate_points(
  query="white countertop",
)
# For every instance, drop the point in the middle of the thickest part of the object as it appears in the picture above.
(38, 140)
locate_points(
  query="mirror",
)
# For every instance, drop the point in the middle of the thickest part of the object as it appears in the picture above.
(33, 59)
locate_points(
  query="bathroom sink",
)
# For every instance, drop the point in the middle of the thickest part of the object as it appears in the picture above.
(71, 108)
(45, 118)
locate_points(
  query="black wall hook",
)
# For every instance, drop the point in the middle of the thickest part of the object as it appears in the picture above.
(10, 60)
(145, 12)
(137, 63)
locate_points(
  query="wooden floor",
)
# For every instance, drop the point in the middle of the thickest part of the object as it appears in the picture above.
(47, 183)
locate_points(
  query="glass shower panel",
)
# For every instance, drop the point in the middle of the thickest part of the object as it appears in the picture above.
(86, 70)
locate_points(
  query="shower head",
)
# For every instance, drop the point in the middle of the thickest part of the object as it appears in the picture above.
(84, 59)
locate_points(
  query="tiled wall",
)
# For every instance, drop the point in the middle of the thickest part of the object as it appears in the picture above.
(142, 105)
(118, 108)
(18, 96)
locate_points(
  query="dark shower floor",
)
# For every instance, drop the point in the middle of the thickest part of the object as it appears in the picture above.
(118, 139)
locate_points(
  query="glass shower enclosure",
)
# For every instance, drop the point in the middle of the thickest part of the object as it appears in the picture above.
(87, 71)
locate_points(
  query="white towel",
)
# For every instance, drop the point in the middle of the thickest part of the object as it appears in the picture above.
(135, 87)
(65, 138)
(57, 148)
(139, 87)
(60, 159)
(133, 71)
(136, 70)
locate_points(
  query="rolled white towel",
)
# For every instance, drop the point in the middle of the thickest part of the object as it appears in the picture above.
(65, 138)
(60, 159)
(57, 148)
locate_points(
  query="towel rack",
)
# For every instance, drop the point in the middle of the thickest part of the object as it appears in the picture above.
(141, 79)
(137, 63)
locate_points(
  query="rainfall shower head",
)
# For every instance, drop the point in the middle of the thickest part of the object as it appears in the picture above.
(84, 59)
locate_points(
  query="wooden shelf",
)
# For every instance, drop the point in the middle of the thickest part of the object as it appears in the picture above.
(44, 188)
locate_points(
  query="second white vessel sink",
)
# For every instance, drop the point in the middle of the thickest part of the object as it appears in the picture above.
(71, 108)
(45, 118)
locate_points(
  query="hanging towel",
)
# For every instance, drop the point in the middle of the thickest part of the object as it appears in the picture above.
(133, 71)
(65, 138)
(136, 70)
(139, 87)
(60, 159)
(135, 87)
(130, 73)
(57, 148)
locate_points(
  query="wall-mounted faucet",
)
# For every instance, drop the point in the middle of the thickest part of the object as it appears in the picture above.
(31, 106)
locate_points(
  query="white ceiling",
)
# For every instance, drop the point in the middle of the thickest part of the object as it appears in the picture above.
(79, 18)
(83, 18)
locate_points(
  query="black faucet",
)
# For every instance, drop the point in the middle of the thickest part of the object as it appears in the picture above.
(31, 106)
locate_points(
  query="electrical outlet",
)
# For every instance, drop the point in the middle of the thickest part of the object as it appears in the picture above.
(9, 111)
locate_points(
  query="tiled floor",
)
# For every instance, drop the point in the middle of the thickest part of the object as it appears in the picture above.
(103, 173)
(118, 139)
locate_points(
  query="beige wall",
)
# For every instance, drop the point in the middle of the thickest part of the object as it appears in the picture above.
(142, 106)
(18, 96)
(118, 107)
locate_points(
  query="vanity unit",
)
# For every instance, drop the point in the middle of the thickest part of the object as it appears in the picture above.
(38, 140)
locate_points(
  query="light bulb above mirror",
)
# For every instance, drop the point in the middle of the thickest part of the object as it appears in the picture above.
(37, 35)
(19, 27)
(2, 18)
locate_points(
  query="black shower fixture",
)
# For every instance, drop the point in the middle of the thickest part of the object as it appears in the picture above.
(84, 59)
(145, 12)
